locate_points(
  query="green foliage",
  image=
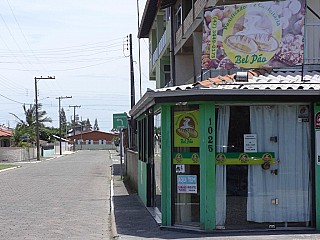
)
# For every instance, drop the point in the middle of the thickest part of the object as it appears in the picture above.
(25, 131)
(46, 133)
(63, 119)
(95, 126)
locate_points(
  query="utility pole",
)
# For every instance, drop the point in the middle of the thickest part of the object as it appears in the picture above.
(74, 125)
(36, 79)
(138, 13)
(60, 121)
(131, 73)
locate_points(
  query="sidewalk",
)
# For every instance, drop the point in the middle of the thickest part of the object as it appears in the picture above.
(131, 219)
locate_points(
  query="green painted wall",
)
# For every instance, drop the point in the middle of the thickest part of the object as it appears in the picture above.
(142, 181)
(317, 171)
(207, 167)
(166, 165)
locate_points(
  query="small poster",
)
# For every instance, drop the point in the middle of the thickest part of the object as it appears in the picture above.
(180, 168)
(187, 184)
(250, 142)
(186, 129)
(317, 121)
(303, 114)
(318, 147)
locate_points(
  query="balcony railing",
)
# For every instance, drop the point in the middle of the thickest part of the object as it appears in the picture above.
(160, 47)
(191, 16)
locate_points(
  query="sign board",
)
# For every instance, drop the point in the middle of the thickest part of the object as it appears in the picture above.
(187, 183)
(120, 120)
(250, 142)
(253, 35)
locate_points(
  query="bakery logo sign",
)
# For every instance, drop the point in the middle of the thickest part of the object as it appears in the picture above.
(186, 129)
(254, 35)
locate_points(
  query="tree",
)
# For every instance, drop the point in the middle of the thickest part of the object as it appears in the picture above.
(63, 120)
(26, 129)
(88, 125)
(95, 126)
(46, 133)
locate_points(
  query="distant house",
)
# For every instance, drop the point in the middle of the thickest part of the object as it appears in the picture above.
(94, 137)
(6, 137)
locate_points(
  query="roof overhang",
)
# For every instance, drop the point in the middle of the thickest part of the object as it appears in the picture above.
(149, 15)
(261, 85)
(232, 2)
(233, 95)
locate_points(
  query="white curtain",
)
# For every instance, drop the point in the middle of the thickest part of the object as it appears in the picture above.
(290, 187)
(221, 146)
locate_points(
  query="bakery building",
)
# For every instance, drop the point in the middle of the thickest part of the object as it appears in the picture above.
(222, 154)
(237, 147)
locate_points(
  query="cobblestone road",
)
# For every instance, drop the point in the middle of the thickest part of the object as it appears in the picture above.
(63, 198)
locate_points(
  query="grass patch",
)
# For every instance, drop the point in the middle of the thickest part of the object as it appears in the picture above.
(4, 166)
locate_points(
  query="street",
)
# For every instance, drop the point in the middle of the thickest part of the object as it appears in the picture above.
(64, 198)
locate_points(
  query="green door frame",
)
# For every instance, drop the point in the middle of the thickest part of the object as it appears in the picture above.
(166, 215)
(317, 171)
(207, 167)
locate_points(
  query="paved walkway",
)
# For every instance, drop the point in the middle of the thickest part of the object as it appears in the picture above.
(64, 198)
(133, 221)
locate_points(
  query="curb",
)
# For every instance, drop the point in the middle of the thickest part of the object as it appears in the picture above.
(7, 169)
(114, 232)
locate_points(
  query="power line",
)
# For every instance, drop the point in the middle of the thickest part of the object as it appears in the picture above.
(12, 99)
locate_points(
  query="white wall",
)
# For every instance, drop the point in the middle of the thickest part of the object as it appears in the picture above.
(16, 154)
(184, 68)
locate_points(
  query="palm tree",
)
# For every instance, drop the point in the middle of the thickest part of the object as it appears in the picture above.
(27, 127)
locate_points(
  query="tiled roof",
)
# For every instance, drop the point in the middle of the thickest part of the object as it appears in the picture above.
(260, 79)
(260, 84)
(5, 133)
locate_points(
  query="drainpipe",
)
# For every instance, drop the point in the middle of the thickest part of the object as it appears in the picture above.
(172, 57)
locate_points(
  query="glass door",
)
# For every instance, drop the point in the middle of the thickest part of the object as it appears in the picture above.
(186, 166)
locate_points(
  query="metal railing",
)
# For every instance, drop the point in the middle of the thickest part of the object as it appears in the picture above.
(194, 13)
(160, 47)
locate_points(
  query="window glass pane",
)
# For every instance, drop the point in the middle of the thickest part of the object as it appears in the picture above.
(275, 192)
(157, 159)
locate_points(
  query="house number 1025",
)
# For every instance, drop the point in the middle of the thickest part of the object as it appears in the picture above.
(210, 136)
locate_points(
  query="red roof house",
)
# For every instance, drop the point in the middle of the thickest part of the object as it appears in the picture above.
(6, 137)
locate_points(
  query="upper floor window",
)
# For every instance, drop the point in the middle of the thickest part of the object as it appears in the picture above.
(168, 12)
(178, 17)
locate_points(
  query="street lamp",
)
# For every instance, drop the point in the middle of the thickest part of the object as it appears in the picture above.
(36, 79)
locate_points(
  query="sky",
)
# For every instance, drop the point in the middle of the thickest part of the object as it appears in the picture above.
(83, 45)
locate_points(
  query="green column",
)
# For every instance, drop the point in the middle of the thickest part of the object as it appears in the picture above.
(166, 165)
(317, 170)
(207, 167)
